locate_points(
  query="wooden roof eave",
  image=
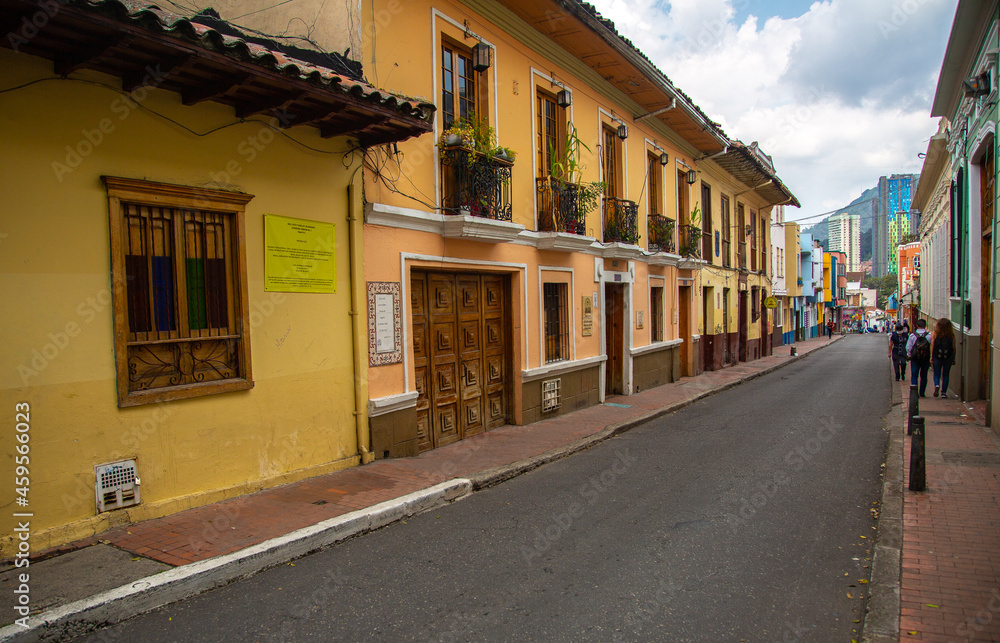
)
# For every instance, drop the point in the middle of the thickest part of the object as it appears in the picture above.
(286, 90)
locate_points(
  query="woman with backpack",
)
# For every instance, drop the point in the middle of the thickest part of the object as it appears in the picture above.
(918, 350)
(943, 350)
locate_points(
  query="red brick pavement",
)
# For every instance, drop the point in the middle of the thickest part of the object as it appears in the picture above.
(950, 586)
(238, 523)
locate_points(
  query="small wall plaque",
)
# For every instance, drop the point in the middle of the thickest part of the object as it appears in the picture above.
(385, 330)
(587, 318)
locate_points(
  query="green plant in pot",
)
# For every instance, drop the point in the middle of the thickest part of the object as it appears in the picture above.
(475, 134)
(565, 166)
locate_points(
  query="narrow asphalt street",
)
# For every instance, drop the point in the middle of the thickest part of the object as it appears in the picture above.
(743, 517)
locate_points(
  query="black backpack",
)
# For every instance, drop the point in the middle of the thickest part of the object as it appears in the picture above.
(900, 347)
(943, 349)
(921, 351)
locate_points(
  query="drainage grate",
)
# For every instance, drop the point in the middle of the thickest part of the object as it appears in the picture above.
(972, 458)
(116, 485)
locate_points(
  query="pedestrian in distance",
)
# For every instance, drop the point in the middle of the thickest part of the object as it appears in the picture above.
(918, 351)
(897, 351)
(943, 352)
(829, 330)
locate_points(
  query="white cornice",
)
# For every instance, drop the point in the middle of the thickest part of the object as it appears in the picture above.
(391, 403)
(657, 346)
(560, 368)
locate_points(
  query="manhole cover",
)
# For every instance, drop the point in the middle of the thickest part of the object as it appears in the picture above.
(972, 458)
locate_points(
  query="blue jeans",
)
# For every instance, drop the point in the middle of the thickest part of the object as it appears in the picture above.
(921, 371)
(941, 371)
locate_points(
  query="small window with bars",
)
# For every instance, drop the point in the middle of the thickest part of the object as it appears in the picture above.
(556, 322)
(181, 317)
(656, 313)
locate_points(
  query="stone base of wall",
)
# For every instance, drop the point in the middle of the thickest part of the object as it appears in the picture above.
(394, 434)
(650, 370)
(578, 390)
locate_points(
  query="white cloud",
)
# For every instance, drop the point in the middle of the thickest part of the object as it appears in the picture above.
(839, 95)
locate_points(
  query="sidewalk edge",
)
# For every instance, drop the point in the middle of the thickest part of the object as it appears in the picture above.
(881, 624)
(155, 591)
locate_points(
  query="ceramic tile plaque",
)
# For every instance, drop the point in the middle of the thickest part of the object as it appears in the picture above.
(385, 324)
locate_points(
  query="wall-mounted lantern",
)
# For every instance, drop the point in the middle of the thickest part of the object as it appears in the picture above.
(692, 176)
(564, 98)
(482, 57)
(664, 158)
(622, 132)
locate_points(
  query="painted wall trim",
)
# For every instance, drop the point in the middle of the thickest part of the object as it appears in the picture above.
(559, 368)
(658, 346)
(392, 403)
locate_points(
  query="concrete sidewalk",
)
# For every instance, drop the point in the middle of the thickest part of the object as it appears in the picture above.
(950, 576)
(137, 568)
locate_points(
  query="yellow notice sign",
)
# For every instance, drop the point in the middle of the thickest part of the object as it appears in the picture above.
(299, 255)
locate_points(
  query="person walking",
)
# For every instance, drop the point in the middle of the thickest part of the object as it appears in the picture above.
(829, 330)
(918, 351)
(897, 351)
(943, 354)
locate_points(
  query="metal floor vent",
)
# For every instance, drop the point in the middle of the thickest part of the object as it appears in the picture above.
(551, 395)
(117, 485)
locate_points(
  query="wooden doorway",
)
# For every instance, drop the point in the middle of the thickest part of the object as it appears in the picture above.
(460, 347)
(687, 356)
(614, 339)
(987, 194)
(744, 325)
(727, 356)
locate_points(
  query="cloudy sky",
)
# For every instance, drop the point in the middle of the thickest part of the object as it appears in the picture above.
(838, 92)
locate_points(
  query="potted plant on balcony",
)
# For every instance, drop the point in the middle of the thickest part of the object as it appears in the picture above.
(565, 172)
(693, 240)
(478, 181)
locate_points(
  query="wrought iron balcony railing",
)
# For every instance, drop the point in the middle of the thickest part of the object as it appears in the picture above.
(661, 234)
(621, 220)
(473, 183)
(689, 239)
(560, 207)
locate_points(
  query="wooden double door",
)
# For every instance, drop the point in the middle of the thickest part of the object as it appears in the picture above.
(460, 354)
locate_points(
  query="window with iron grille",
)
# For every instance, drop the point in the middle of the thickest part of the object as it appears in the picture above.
(656, 313)
(180, 293)
(556, 322)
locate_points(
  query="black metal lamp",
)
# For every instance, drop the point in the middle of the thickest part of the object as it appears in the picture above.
(622, 132)
(977, 85)
(664, 158)
(692, 176)
(564, 98)
(482, 57)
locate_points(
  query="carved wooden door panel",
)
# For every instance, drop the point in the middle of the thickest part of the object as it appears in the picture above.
(494, 348)
(444, 366)
(418, 306)
(614, 320)
(470, 367)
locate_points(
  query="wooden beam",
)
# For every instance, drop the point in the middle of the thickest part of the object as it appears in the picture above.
(154, 74)
(277, 102)
(195, 96)
(68, 63)
(351, 127)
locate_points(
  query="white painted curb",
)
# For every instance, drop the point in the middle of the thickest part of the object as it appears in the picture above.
(182, 582)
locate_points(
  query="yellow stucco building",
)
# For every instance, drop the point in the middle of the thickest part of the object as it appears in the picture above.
(156, 369)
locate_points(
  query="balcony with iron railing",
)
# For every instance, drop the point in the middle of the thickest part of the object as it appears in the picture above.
(689, 241)
(621, 221)
(560, 206)
(661, 234)
(475, 184)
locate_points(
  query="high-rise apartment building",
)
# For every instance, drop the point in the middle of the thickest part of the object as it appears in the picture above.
(893, 220)
(845, 236)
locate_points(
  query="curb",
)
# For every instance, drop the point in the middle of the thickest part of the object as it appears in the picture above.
(881, 624)
(146, 594)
